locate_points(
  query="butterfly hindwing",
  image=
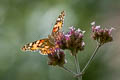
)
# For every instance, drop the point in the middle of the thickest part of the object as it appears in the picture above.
(43, 45)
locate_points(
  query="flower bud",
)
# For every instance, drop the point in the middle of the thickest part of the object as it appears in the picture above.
(57, 58)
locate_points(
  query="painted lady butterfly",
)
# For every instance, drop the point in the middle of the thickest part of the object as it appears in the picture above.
(47, 45)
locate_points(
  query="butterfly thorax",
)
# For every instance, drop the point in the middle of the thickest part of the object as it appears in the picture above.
(51, 39)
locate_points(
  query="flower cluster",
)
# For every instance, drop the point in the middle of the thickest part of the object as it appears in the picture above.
(101, 35)
(72, 40)
(57, 58)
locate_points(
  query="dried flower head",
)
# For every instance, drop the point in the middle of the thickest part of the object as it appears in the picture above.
(57, 58)
(101, 35)
(72, 40)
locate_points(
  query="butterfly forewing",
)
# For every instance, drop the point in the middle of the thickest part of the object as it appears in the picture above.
(59, 23)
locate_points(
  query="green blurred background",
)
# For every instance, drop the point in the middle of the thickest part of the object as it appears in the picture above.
(24, 21)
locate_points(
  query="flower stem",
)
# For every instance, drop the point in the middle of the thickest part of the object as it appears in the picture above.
(77, 67)
(68, 70)
(91, 58)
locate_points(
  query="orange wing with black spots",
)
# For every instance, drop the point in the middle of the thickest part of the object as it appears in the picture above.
(43, 46)
(46, 46)
(59, 23)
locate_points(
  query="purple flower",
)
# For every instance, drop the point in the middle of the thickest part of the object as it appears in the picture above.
(110, 30)
(72, 28)
(67, 36)
(72, 40)
(101, 35)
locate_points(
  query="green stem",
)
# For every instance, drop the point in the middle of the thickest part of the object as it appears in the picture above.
(68, 70)
(91, 58)
(77, 67)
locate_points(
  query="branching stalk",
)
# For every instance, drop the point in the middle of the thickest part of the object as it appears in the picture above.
(91, 58)
(68, 70)
(77, 67)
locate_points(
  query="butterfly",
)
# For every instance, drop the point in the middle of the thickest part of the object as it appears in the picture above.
(47, 45)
